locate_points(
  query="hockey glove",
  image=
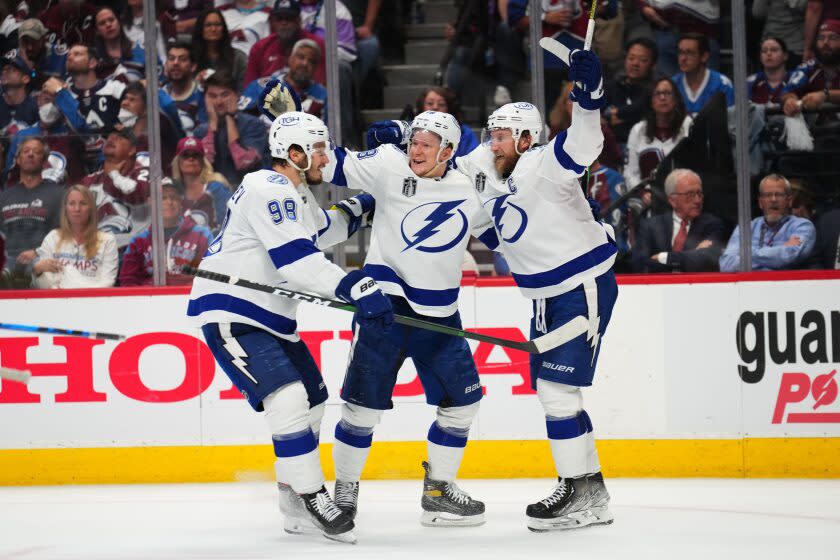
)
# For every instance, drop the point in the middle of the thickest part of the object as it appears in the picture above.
(359, 211)
(585, 72)
(277, 98)
(387, 132)
(373, 308)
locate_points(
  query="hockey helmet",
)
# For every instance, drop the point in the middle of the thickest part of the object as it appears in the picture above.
(518, 117)
(296, 128)
(443, 124)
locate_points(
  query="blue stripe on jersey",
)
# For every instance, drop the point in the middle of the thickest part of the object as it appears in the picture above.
(439, 436)
(565, 271)
(489, 238)
(292, 251)
(562, 157)
(326, 227)
(224, 302)
(422, 296)
(338, 175)
(568, 428)
(294, 445)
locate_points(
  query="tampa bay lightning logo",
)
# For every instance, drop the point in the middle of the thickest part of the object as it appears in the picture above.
(510, 225)
(434, 227)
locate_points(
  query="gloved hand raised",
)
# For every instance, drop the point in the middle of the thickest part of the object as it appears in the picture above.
(585, 72)
(358, 209)
(387, 132)
(277, 98)
(373, 308)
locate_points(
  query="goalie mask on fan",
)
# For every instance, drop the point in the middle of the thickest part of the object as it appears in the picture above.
(511, 130)
(302, 141)
(433, 140)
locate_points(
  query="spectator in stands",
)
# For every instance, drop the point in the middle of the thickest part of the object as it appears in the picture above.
(560, 118)
(46, 59)
(365, 14)
(271, 53)
(63, 164)
(213, 49)
(234, 142)
(18, 109)
(182, 87)
(72, 21)
(121, 59)
(605, 185)
(684, 239)
(626, 93)
(305, 57)
(206, 192)
(816, 12)
(121, 187)
(29, 209)
(695, 82)
(132, 24)
(817, 81)
(186, 243)
(785, 20)
(182, 16)
(88, 105)
(76, 254)
(828, 240)
(134, 116)
(663, 125)
(670, 19)
(767, 85)
(247, 22)
(779, 241)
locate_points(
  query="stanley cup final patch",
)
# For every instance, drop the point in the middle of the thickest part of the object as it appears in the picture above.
(480, 181)
(409, 186)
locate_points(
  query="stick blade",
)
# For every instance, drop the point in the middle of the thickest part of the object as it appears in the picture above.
(556, 48)
(19, 375)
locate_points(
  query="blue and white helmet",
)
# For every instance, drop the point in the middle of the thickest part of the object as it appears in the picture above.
(518, 117)
(296, 128)
(443, 124)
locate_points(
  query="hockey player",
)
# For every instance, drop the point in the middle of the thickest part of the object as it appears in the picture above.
(425, 213)
(273, 232)
(561, 258)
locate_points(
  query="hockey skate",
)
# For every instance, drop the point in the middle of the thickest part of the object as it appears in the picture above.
(347, 497)
(296, 519)
(575, 502)
(446, 505)
(331, 521)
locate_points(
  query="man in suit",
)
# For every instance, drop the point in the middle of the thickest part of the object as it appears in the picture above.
(684, 239)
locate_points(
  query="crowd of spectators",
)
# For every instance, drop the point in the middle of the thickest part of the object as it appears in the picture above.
(75, 205)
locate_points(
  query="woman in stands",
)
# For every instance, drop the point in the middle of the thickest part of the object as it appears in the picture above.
(767, 85)
(664, 123)
(443, 99)
(212, 50)
(207, 192)
(77, 254)
(120, 58)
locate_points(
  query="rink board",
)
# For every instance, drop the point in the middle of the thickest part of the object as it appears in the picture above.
(699, 375)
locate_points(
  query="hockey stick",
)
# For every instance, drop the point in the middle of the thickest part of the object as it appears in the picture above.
(19, 375)
(567, 332)
(560, 50)
(53, 330)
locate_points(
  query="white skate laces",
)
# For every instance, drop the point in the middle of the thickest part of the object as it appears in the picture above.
(325, 506)
(556, 496)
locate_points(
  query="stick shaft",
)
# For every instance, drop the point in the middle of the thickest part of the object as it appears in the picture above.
(54, 330)
(526, 346)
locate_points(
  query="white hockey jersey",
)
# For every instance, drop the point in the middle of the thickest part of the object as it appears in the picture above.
(273, 233)
(420, 229)
(544, 224)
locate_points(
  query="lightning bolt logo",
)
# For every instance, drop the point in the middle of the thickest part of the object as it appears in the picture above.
(237, 353)
(434, 220)
(498, 213)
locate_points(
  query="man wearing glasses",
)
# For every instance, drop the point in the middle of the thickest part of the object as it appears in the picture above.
(685, 239)
(778, 239)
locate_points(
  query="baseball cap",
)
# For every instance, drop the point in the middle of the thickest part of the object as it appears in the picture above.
(126, 133)
(18, 62)
(32, 28)
(832, 25)
(179, 187)
(189, 145)
(286, 8)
